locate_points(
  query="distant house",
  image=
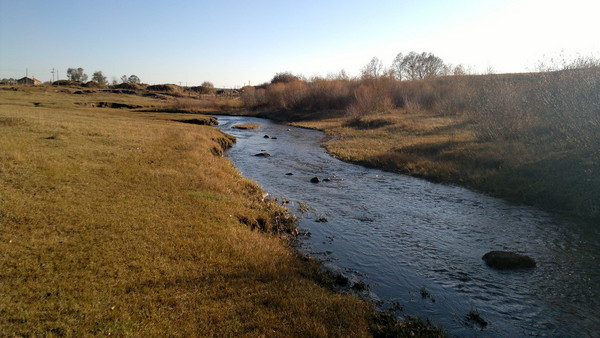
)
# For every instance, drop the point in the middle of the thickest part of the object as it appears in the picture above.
(29, 81)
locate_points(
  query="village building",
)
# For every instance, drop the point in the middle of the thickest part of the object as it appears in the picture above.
(29, 81)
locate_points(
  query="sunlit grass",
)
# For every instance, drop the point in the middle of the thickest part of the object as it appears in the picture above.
(449, 149)
(120, 222)
(246, 126)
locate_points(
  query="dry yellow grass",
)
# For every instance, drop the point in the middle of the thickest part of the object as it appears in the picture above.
(246, 126)
(390, 141)
(116, 222)
(449, 149)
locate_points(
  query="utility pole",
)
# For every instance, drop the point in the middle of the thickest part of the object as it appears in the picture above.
(52, 74)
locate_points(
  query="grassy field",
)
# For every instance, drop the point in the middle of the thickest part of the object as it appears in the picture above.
(448, 149)
(120, 221)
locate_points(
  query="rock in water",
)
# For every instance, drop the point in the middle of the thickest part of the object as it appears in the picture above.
(315, 180)
(266, 136)
(505, 260)
(263, 154)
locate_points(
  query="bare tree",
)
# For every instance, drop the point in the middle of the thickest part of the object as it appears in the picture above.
(373, 70)
(207, 87)
(415, 66)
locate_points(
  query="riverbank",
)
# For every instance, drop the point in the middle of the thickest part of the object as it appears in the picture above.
(116, 220)
(444, 148)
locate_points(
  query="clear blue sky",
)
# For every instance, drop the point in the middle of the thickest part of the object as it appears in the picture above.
(232, 43)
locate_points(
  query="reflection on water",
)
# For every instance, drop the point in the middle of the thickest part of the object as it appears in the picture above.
(403, 235)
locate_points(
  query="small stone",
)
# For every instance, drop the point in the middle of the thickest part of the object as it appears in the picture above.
(315, 180)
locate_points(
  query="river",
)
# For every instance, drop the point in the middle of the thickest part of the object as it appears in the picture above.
(418, 245)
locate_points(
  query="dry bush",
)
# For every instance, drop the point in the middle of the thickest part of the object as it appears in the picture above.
(249, 97)
(295, 95)
(560, 107)
(368, 99)
(330, 94)
(498, 109)
(414, 95)
(568, 102)
(452, 95)
(275, 95)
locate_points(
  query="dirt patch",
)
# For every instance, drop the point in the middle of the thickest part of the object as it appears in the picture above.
(116, 105)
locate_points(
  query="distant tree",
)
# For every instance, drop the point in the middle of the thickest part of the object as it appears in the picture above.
(373, 70)
(99, 77)
(133, 79)
(458, 70)
(124, 79)
(415, 66)
(76, 75)
(285, 77)
(8, 81)
(207, 88)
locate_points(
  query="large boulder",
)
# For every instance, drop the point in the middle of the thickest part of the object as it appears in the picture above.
(506, 260)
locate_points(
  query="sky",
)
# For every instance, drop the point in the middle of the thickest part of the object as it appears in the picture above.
(235, 43)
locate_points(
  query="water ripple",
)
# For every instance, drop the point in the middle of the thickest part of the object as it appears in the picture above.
(401, 235)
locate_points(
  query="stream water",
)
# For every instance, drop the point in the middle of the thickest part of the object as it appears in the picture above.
(418, 245)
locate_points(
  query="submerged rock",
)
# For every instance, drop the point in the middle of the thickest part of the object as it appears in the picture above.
(266, 136)
(263, 154)
(315, 180)
(505, 260)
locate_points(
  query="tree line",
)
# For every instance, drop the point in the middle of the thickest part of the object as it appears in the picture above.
(565, 97)
(78, 75)
(378, 88)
